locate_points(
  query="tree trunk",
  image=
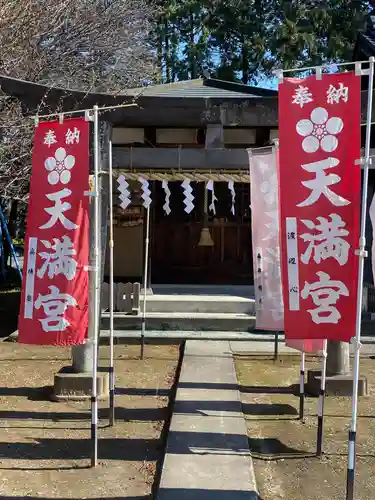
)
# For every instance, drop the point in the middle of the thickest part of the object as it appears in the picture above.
(192, 54)
(338, 362)
(167, 61)
(160, 47)
(245, 63)
(12, 228)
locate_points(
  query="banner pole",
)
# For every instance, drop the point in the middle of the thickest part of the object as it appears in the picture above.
(362, 253)
(276, 351)
(322, 393)
(147, 244)
(2, 255)
(94, 399)
(111, 298)
(302, 388)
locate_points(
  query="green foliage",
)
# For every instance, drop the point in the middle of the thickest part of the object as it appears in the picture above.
(314, 32)
(18, 241)
(244, 39)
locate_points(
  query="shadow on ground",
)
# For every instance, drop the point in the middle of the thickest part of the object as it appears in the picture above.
(204, 494)
(80, 449)
(245, 389)
(211, 407)
(265, 389)
(274, 449)
(206, 443)
(268, 409)
(147, 497)
(135, 391)
(204, 385)
(126, 414)
(31, 393)
(44, 393)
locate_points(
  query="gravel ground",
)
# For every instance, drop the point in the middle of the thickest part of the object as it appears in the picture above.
(283, 448)
(45, 446)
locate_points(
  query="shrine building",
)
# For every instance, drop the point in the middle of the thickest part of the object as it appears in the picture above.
(198, 130)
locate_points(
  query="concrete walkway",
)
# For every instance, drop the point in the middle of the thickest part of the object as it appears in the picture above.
(267, 346)
(207, 456)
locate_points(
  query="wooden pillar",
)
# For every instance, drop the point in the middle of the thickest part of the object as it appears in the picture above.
(214, 136)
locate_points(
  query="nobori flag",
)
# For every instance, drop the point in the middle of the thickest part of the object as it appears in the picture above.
(54, 300)
(319, 183)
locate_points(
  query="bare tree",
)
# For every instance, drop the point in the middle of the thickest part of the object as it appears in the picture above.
(87, 45)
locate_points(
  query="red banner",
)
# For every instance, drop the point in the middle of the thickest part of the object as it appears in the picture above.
(319, 185)
(54, 300)
(309, 346)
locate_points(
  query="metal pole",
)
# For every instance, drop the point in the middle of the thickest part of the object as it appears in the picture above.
(95, 312)
(361, 252)
(276, 347)
(13, 252)
(111, 298)
(302, 387)
(322, 393)
(147, 244)
(2, 255)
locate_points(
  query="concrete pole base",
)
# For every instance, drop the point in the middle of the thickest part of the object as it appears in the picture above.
(336, 385)
(72, 386)
(82, 357)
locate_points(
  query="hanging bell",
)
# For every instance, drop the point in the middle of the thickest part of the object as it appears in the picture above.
(205, 239)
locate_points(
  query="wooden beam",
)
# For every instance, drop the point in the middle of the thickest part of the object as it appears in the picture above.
(180, 158)
(239, 87)
(189, 159)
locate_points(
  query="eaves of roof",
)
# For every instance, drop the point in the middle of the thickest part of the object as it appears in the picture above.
(365, 46)
(200, 89)
(204, 88)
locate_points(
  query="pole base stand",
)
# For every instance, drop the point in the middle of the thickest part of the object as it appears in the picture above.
(336, 385)
(72, 386)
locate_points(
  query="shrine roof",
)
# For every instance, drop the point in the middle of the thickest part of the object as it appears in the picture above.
(365, 43)
(202, 88)
(206, 88)
(187, 103)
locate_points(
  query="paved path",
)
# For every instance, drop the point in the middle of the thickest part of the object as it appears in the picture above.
(207, 456)
(267, 346)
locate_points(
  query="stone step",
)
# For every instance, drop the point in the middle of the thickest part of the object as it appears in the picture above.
(191, 321)
(198, 290)
(123, 336)
(199, 304)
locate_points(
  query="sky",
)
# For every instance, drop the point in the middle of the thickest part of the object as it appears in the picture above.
(268, 83)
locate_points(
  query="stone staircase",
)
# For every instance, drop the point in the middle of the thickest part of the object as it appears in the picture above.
(200, 311)
(190, 309)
